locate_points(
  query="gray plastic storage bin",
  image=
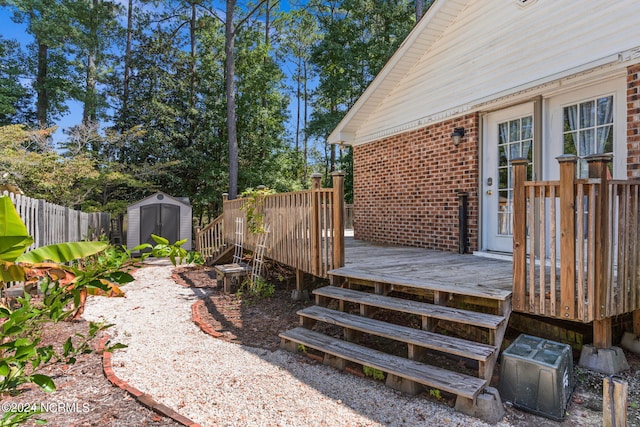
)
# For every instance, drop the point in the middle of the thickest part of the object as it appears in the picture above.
(536, 375)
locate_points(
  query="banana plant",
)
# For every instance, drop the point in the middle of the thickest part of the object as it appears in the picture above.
(17, 265)
(95, 270)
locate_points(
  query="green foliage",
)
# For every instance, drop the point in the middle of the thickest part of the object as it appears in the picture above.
(257, 288)
(11, 419)
(374, 373)
(174, 251)
(170, 122)
(253, 206)
(61, 287)
(302, 348)
(359, 36)
(435, 393)
(14, 96)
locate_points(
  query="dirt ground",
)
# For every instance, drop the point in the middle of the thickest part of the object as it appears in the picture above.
(87, 398)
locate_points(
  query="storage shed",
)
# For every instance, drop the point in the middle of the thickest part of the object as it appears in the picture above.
(162, 215)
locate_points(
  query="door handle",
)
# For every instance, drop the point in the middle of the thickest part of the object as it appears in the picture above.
(489, 192)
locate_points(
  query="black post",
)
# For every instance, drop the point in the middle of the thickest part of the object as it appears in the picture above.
(463, 204)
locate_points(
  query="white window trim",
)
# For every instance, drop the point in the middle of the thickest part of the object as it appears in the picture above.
(553, 125)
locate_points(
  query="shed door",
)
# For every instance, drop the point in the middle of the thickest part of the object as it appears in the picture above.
(508, 135)
(160, 219)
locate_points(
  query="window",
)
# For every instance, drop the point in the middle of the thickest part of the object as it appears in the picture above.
(515, 140)
(588, 129)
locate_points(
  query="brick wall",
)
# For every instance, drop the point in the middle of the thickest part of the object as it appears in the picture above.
(633, 121)
(406, 186)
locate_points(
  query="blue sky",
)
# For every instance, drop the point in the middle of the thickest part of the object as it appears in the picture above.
(11, 30)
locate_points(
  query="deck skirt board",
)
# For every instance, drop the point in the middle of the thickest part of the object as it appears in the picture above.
(452, 382)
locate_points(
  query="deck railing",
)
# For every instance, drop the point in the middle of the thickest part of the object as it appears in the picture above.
(576, 252)
(307, 227)
(210, 239)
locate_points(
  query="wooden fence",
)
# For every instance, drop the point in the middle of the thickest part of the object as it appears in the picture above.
(49, 224)
(307, 227)
(576, 244)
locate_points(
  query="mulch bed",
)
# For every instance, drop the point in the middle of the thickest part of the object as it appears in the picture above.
(245, 320)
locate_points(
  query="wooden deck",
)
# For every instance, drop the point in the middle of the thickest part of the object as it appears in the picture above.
(475, 275)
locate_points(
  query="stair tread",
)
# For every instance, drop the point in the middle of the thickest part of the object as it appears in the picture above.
(451, 345)
(472, 289)
(449, 381)
(485, 320)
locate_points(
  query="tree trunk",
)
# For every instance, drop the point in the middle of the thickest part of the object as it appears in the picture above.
(299, 104)
(305, 139)
(127, 64)
(419, 9)
(89, 110)
(89, 113)
(194, 67)
(229, 68)
(42, 103)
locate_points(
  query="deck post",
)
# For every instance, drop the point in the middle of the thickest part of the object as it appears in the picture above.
(197, 233)
(602, 331)
(316, 237)
(568, 164)
(338, 219)
(519, 232)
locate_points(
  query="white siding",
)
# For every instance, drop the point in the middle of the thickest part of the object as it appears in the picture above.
(493, 47)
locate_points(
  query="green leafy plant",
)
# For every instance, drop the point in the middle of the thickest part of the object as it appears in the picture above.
(435, 393)
(12, 418)
(302, 348)
(253, 206)
(63, 288)
(257, 288)
(174, 251)
(374, 373)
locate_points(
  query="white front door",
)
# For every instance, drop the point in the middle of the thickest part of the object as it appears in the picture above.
(508, 134)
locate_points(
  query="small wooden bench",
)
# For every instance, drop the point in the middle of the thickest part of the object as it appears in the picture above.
(403, 374)
(426, 310)
(416, 339)
(228, 273)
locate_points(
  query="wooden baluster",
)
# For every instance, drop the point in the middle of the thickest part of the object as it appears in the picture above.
(338, 219)
(315, 224)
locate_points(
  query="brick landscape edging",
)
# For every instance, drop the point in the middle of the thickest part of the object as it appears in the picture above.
(204, 326)
(143, 398)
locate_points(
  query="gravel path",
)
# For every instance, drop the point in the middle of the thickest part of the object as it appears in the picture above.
(216, 383)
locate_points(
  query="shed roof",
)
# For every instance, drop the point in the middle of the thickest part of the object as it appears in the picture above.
(181, 200)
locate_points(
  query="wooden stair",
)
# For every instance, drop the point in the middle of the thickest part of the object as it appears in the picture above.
(461, 307)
